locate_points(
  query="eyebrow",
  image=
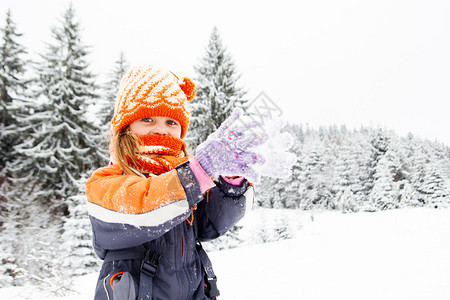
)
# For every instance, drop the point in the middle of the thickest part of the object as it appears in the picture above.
(172, 119)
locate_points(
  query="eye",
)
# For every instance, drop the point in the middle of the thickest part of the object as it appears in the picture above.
(147, 120)
(172, 122)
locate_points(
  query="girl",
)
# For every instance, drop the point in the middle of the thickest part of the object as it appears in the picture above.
(151, 207)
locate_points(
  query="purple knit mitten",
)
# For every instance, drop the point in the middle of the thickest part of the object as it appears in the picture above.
(229, 150)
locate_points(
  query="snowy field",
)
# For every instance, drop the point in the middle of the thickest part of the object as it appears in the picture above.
(398, 254)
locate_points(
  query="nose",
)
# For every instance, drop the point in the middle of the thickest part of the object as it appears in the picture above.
(158, 128)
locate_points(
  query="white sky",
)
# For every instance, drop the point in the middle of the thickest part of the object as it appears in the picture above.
(379, 63)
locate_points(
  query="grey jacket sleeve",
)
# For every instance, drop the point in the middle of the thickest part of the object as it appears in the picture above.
(223, 207)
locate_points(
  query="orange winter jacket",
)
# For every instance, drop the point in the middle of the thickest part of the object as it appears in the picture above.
(165, 214)
(134, 200)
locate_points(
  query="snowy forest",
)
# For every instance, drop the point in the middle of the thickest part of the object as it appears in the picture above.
(54, 129)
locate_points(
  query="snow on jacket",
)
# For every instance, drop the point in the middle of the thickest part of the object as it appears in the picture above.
(165, 213)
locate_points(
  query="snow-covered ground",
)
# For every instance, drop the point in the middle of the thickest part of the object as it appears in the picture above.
(398, 254)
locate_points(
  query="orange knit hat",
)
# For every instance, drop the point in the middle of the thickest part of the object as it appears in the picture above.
(148, 91)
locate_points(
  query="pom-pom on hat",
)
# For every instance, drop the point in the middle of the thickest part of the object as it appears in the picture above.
(147, 91)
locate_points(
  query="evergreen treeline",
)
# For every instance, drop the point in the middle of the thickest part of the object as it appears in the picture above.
(55, 119)
(360, 170)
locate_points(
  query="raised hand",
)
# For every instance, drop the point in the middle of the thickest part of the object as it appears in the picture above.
(229, 150)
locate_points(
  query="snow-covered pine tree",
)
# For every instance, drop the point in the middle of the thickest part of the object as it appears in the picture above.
(109, 92)
(385, 193)
(110, 89)
(353, 170)
(441, 158)
(12, 89)
(77, 237)
(218, 92)
(325, 192)
(311, 169)
(12, 85)
(432, 174)
(402, 172)
(266, 195)
(64, 144)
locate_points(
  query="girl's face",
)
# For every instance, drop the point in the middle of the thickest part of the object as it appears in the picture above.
(156, 125)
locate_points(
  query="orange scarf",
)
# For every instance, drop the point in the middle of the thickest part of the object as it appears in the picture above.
(160, 153)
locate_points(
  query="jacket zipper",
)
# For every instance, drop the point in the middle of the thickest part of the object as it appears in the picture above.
(104, 286)
(177, 263)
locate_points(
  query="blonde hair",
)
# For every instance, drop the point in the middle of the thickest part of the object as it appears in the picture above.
(124, 146)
